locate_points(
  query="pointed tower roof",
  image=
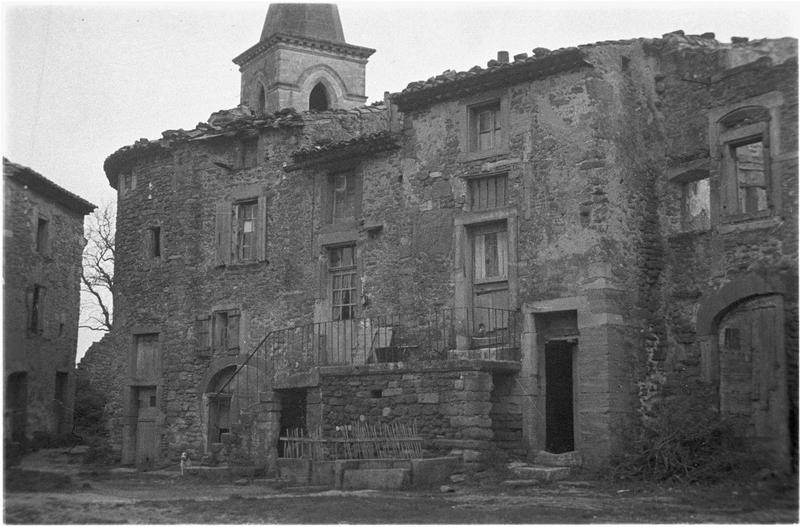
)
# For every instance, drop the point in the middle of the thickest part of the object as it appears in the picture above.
(314, 21)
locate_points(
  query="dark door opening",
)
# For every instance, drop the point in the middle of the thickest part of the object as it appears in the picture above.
(17, 404)
(293, 413)
(559, 435)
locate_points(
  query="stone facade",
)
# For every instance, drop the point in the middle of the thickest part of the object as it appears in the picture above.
(582, 207)
(43, 242)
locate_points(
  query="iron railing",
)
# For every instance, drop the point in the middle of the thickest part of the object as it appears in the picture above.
(450, 333)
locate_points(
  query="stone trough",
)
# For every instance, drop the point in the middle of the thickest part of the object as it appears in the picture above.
(377, 474)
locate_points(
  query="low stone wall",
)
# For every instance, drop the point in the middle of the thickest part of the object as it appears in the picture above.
(451, 404)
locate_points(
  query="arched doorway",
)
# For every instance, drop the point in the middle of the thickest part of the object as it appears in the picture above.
(745, 330)
(230, 392)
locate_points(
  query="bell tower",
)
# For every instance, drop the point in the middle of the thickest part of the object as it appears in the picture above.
(302, 61)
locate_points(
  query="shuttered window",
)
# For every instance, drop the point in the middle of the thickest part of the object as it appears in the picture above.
(226, 331)
(202, 334)
(241, 231)
(488, 192)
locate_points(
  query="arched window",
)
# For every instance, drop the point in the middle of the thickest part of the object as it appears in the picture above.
(318, 100)
(262, 100)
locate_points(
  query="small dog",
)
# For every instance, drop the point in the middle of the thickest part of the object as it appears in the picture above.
(185, 462)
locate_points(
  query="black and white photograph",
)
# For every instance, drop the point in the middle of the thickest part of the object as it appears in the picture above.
(400, 262)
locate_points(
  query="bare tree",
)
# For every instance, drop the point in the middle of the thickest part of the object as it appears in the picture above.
(97, 275)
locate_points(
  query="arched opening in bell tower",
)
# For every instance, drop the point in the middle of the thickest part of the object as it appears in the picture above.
(318, 100)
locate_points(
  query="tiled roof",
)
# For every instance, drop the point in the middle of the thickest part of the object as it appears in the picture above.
(451, 84)
(356, 147)
(239, 121)
(42, 185)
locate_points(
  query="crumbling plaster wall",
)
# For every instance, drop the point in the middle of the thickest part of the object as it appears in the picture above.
(57, 269)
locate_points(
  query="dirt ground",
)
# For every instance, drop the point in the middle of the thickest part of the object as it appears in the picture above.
(81, 495)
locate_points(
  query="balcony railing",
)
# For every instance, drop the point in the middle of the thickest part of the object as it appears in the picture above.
(452, 333)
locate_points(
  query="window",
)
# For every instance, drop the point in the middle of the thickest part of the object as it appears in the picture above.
(344, 196)
(751, 181)
(696, 205)
(153, 242)
(147, 356)
(42, 236)
(488, 192)
(490, 252)
(318, 100)
(246, 230)
(745, 138)
(127, 183)
(226, 331)
(485, 127)
(342, 271)
(241, 231)
(249, 153)
(35, 304)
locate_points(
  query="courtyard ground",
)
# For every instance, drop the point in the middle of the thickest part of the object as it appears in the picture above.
(39, 493)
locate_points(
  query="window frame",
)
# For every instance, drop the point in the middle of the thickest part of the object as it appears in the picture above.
(228, 344)
(240, 232)
(35, 303)
(473, 107)
(42, 236)
(335, 272)
(226, 242)
(738, 124)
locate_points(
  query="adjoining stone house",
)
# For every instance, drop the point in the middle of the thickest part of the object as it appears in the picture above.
(525, 255)
(42, 245)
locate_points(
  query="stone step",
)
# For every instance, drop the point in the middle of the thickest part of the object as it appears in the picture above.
(541, 473)
(566, 459)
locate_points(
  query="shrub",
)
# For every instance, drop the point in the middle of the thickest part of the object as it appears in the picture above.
(683, 439)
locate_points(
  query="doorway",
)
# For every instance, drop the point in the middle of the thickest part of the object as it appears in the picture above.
(293, 413)
(17, 404)
(146, 428)
(559, 421)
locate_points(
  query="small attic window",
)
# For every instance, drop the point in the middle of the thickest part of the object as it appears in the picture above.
(318, 100)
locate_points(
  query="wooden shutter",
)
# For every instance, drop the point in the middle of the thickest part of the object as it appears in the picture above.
(223, 233)
(261, 229)
(233, 330)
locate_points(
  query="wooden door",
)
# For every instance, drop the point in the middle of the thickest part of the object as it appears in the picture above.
(146, 426)
(753, 371)
(490, 295)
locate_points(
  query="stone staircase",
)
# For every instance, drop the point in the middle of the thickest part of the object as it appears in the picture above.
(545, 468)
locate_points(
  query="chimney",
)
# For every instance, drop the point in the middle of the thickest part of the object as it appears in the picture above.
(502, 57)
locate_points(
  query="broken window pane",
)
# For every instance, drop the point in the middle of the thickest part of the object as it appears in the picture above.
(490, 250)
(485, 127)
(341, 266)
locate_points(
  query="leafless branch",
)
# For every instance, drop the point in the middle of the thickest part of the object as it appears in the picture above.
(97, 274)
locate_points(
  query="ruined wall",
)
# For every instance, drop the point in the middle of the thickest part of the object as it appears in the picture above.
(55, 267)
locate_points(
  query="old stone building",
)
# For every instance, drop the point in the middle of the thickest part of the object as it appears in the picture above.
(43, 241)
(524, 256)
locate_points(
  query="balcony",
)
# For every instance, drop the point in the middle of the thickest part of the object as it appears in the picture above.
(486, 334)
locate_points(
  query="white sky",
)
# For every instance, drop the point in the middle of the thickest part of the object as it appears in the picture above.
(82, 80)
